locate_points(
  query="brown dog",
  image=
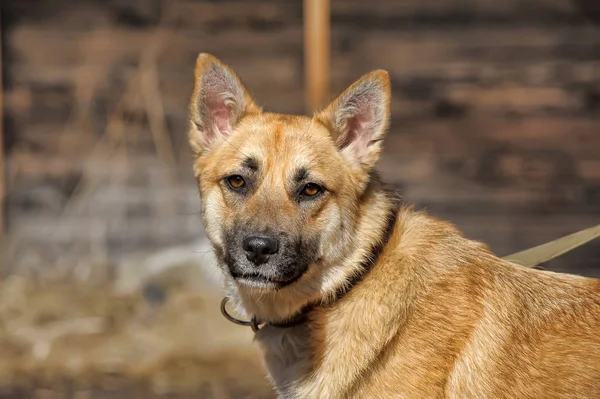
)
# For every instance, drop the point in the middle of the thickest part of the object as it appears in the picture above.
(359, 297)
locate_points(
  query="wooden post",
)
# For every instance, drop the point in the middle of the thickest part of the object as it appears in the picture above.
(316, 53)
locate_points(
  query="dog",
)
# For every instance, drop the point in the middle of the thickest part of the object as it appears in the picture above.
(354, 294)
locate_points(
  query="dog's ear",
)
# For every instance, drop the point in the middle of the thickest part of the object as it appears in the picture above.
(359, 118)
(218, 102)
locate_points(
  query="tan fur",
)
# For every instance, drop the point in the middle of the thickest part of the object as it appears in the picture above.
(437, 315)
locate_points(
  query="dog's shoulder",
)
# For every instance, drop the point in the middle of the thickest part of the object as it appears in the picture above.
(469, 313)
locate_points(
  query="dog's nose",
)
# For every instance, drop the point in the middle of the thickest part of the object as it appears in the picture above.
(258, 249)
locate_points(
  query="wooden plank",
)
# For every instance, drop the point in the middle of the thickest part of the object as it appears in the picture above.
(452, 10)
(316, 52)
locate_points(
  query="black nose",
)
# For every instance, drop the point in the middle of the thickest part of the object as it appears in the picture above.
(258, 249)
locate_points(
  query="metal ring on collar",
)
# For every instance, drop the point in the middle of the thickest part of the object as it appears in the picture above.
(253, 323)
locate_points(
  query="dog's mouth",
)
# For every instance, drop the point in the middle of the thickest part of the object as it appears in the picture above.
(259, 280)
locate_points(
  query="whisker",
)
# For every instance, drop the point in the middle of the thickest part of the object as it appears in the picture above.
(238, 150)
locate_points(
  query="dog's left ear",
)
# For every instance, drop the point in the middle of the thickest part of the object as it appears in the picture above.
(359, 118)
(218, 103)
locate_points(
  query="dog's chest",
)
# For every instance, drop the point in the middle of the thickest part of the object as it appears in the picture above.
(286, 354)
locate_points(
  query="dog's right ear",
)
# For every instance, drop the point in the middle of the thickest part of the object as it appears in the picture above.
(218, 102)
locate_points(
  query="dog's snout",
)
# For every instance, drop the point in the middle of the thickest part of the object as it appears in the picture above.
(258, 249)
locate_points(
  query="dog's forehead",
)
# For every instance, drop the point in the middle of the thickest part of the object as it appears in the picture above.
(283, 139)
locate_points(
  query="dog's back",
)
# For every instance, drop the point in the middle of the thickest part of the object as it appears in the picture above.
(459, 322)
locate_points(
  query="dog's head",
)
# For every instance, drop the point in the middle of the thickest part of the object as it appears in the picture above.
(281, 193)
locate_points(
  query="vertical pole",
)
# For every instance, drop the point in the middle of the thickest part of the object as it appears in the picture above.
(316, 53)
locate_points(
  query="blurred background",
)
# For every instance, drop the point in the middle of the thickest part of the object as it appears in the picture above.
(108, 287)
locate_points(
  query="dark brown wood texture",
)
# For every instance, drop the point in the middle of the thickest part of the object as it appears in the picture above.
(496, 104)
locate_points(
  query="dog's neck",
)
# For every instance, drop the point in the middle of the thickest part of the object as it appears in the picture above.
(291, 305)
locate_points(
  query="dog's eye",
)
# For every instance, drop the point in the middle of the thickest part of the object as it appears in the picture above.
(236, 181)
(311, 189)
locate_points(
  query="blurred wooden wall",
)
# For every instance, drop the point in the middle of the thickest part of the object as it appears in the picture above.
(496, 104)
